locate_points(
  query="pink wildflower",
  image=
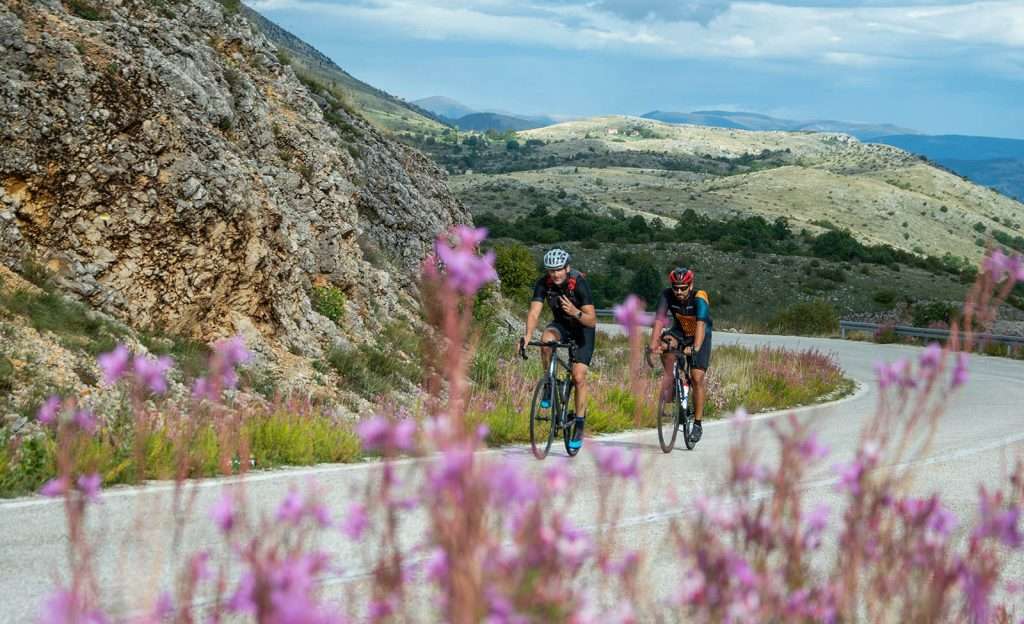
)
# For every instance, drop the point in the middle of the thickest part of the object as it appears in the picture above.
(356, 521)
(811, 449)
(291, 508)
(1015, 267)
(375, 432)
(48, 411)
(960, 370)
(114, 364)
(631, 315)
(85, 421)
(199, 565)
(849, 477)
(152, 372)
(55, 487)
(894, 373)
(616, 462)
(64, 607)
(511, 486)
(556, 478)
(931, 356)
(90, 485)
(224, 513)
(466, 271)
(996, 264)
(232, 351)
(449, 470)
(403, 434)
(998, 521)
(437, 565)
(469, 237)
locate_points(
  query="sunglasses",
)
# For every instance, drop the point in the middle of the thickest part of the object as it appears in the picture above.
(684, 287)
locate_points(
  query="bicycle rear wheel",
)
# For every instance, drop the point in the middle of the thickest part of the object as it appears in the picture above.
(542, 433)
(668, 423)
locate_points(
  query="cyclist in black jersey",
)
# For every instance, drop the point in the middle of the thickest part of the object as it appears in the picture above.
(568, 295)
(690, 312)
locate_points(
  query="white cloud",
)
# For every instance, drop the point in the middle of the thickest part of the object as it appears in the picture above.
(860, 36)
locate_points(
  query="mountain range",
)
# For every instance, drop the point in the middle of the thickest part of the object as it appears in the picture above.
(757, 121)
(464, 117)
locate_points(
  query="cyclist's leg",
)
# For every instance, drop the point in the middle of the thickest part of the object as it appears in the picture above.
(551, 332)
(667, 361)
(579, 378)
(701, 361)
(585, 339)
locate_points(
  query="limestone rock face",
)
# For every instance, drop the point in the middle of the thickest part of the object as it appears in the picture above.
(172, 172)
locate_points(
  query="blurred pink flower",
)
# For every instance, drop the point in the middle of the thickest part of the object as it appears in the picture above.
(466, 271)
(114, 364)
(510, 485)
(85, 421)
(931, 356)
(811, 449)
(448, 471)
(55, 487)
(356, 521)
(1015, 267)
(996, 264)
(998, 520)
(291, 508)
(63, 607)
(616, 462)
(90, 485)
(232, 351)
(378, 433)
(152, 372)
(470, 237)
(48, 411)
(849, 477)
(437, 565)
(631, 315)
(960, 370)
(224, 513)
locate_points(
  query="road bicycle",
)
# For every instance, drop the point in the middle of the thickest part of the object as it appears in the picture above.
(677, 410)
(547, 422)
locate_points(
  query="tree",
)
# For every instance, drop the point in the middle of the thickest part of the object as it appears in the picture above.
(646, 283)
(517, 269)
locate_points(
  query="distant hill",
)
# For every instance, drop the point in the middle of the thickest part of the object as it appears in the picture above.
(483, 122)
(465, 118)
(757, 121)
(382, 108)
(444, 106)
(994, 162)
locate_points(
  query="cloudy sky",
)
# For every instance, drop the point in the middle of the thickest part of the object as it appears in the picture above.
(937, 66)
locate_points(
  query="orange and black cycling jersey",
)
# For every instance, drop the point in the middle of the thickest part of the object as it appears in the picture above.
(685, 313)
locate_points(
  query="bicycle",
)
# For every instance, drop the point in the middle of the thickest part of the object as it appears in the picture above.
(681, 413)
(556, 417)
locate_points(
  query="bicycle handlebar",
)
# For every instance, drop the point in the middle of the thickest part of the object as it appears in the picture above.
(539, 343)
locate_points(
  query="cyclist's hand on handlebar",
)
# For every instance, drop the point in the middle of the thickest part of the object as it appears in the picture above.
(688, 350)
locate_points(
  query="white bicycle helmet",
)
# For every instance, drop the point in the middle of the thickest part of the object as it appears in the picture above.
(556, 258)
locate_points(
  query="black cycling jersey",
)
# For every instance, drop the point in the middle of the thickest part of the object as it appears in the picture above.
(575, 287)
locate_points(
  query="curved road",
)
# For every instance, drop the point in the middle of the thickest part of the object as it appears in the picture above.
(978, 439)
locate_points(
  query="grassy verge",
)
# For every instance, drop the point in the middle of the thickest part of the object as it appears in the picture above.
(131, 453)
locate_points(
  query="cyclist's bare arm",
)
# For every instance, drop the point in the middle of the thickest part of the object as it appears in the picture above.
(659, 324)
(698, 336)
(589, 318)
(531, 319)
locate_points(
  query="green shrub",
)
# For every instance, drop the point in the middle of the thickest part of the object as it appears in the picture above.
(373, 370)
(231, 7)
(924, 314)
(86, 10)
(329, 301)
(885, 297)
(72, 322)
(812, 318)
(517, 270)
(834, 274)
(6, 375)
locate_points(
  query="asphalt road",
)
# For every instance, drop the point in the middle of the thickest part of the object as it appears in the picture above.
(978, 439)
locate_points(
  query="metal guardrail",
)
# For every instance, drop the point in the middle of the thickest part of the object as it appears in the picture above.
(926, 332)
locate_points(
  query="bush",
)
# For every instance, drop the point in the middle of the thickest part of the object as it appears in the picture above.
(329, 301)
(834, 274)
(6, 375)
(812, 318)
(517, 270)
(885, 297)
(86, 10)
(924, 314)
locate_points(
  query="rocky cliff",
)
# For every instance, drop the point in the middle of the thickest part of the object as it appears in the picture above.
(159, 157)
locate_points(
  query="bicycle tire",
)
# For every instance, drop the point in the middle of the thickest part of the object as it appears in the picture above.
(687, 418)
(666, 425)
(541, 444)
(570, 428)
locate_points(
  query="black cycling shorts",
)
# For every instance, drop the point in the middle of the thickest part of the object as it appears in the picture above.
(700, 359)
(584, 338)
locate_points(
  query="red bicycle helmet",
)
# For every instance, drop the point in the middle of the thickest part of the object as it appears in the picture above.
(680, 275)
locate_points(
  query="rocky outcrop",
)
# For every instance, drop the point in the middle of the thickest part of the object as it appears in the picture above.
(174, 173)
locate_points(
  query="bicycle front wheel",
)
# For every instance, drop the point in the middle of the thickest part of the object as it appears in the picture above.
(568, 428)
(668, 423)
(686, 411)
(542, 433)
